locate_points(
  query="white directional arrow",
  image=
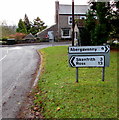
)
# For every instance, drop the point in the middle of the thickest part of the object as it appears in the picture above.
(107, 48)
(87, 61)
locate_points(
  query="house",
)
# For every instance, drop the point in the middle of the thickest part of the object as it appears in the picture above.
(29, 38)
(43, 35)
(63, 20)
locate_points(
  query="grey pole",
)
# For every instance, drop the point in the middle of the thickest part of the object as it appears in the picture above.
(103, 73)
(103, 70)
(77, 75)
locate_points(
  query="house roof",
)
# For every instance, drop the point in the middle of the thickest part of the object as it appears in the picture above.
(78, 9)
(29, 36)
(45, 29)
(51, 28)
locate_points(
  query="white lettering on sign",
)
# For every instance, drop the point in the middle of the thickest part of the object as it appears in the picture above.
(89, 49)
(87, 61)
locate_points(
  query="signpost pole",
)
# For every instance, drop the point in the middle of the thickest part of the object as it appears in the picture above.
(77, 75)
(103, 73)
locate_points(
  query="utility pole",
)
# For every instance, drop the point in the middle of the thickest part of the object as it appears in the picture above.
(72, 22)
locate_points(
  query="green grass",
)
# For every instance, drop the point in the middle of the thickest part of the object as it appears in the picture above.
(61, 97)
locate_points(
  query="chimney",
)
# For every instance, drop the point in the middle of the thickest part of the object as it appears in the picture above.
(56, 11)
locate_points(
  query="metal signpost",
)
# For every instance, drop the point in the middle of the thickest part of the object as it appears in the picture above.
(89, 56)
(73, 25)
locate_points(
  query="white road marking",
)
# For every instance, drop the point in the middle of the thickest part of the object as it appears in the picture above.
(15, 48)
(4, 56)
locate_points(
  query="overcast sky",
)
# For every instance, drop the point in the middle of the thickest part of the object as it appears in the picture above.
(12, 10)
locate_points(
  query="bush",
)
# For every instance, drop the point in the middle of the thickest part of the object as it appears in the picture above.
(4, 39)
(114, 45)
(84, 37)
(44, 40)
(3, 42)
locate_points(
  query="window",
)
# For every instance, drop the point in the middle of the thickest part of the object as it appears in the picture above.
(65, 33)
(70, 20)
(76, 17)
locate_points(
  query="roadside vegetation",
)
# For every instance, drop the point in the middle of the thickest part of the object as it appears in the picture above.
(26, 26)
(58, 96)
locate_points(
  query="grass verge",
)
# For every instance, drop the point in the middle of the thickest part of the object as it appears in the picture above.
(60, 97)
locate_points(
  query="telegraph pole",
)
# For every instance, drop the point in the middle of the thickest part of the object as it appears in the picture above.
(72, 22)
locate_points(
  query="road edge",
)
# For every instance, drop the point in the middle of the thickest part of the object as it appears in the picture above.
(26, 110)
(39, 69)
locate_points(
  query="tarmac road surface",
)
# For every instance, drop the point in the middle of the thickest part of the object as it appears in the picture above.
(18, 65)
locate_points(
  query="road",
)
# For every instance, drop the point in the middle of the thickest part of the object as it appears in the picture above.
(17, 74)
(18, 66)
